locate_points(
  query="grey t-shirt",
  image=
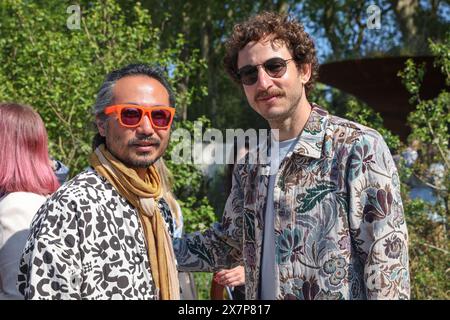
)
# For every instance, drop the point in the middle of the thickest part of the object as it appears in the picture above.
(267, 277)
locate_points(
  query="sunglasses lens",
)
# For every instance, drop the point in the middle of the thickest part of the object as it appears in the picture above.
(248, 75)
(161, 118)
(131, 116)
(275, 67)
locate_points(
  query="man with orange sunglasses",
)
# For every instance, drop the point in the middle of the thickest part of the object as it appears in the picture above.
(107, 233)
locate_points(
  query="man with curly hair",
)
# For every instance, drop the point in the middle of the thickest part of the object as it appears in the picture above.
(326, 220)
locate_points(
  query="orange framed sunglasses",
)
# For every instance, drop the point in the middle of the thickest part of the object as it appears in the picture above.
(131, 116)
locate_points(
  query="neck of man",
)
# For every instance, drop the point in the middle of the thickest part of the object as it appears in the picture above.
(291, 126)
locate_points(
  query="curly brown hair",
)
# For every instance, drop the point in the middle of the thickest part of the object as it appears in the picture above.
(281, 28)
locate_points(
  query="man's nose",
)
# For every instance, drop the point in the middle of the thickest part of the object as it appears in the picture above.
(145, 128)
(264, 81)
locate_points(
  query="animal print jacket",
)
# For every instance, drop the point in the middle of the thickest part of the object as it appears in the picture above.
(86, 242)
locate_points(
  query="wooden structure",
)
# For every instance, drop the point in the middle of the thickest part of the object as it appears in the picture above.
(375, 81)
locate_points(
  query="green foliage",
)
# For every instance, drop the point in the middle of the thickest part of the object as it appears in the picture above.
(405, 26)
(429, 257)
(361, 113)
(412, 78)
(58, 70)
(190, 186)
(199, 215)
(349, 107)
(203, 284)
(430, 121)
(440, 50)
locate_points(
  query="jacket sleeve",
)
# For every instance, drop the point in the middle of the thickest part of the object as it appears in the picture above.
(221, 245)
(376, 218)
(50, 267)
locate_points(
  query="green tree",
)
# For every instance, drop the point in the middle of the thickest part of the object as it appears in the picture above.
(428, 221)
(58, 70)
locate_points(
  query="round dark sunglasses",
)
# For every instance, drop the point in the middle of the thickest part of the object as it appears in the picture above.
(274, 67)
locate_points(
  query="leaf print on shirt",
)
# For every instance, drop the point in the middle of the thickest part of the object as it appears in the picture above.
(303, 288)
(201, 250)
(294, 173)
(310, 289)
(289, 244)
(313, 196)
(337, 174)
(249, 224)
(379, 206)
(361, 159)
(100, 226)
(342, 200)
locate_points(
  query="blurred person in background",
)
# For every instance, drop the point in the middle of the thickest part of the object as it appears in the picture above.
(26, 179)
(61, 171)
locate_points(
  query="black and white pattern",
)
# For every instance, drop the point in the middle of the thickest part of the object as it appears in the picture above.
(86, 242)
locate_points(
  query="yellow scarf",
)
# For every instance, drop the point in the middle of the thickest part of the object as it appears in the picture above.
(142, 194)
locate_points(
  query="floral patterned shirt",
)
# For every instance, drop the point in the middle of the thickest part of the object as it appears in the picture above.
(339, 224)
(86, 242)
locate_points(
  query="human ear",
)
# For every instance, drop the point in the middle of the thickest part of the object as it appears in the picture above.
(101, 123)
(305, 72)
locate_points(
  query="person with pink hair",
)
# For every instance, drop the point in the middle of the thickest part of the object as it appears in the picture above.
(26, 179)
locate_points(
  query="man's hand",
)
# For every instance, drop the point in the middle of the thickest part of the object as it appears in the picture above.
(231, 277)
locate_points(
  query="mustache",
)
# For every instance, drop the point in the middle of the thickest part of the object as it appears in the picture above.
(267, 93)
(144, 139)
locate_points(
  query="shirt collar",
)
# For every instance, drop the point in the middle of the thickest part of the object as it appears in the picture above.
(311, 138)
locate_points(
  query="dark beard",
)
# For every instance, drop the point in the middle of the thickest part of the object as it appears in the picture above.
(139, 164)
(136, 164)
(133, 164)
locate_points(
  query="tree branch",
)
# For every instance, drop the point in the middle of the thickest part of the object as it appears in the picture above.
(443, 155)
(434, 247)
